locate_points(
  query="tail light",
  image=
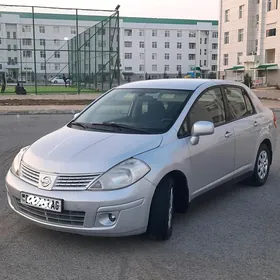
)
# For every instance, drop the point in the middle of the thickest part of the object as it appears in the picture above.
(274, 120)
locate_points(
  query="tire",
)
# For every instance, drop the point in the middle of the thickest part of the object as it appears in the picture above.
(262, 167)
(161, 212)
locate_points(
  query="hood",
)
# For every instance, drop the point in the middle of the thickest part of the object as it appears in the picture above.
(69, 150)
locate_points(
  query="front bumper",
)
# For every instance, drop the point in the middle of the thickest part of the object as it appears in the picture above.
(86, 212)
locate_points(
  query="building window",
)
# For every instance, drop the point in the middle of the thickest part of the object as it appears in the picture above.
(27, 42)
(241, 9)
(214, 46)
(166, 56)
(73, 30)
(141, 67)
(226, 39)
(215, 34)
(205, 63)
(154, 45)
(141, 45)
(26, 28)
(101, 44)
(192, 34)
(1, 67)
(43, 66)
(240, 35)
(167, 45)
(179, 68)
(9, 48)
(42, 29)
(42, 42)
(0, 41)
(200, 40)
(256, 45)
(15, 48)
(191, 56)
(27, 54)
(239, 55)
(167, 33)
(271, 32)
(225, 59)
(205, 51)
(141, 33)
(214, 68)
(205, 40)
(101, 31)
(200, 52)
(128, 56)
(257, 21)
(214, 57)
(166, 68)
(127, 68)
(57, 67)
(179, 45)
(269, 5)
(127, 44)
(42, 54)
(57, 54)
(154, 67)
(128, 32)
(56, 42)
(154, 56)
(179, 56)
(56, 29)
(14, 35)
(154, 33)
(192, 46)
(226, 15)
(8, 35)
(142, 56)
(179, 33)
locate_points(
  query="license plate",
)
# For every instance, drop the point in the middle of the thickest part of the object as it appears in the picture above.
(41, 202)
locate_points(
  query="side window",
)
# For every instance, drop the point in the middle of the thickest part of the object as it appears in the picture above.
(237, 102)
(250, 108)
(209, 107)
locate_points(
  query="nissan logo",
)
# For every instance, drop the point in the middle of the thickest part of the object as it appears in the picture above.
(45, 181)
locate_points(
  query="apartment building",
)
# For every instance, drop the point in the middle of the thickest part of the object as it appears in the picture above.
(249, 40)
(149, 47)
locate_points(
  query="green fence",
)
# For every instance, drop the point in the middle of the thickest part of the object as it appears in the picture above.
(52, 50)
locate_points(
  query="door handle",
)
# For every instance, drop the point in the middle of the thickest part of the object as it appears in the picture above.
(256, 123)
(228, 134)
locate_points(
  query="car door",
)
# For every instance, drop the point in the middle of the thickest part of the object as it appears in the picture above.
(246, 127)
(212, 159)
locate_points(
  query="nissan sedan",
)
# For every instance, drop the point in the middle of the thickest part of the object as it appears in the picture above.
(141, 152)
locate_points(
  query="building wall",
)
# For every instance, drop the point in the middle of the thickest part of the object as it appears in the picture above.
(258, 46)
(59, 27)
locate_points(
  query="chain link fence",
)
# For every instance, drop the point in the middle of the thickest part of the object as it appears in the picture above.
(55, 50)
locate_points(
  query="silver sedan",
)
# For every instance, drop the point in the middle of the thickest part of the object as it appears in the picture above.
(140, 153)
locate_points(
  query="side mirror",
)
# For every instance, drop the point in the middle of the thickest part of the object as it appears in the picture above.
(76, 115)
(201, 128)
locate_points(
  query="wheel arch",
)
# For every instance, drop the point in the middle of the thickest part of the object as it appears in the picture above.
(268, 143)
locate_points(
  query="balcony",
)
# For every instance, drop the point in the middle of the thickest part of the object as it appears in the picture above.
(250, 58)
(12, 65)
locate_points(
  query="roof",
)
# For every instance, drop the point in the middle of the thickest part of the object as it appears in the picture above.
(235, 68)
(265, 66)
(100, 18)
(181, 84)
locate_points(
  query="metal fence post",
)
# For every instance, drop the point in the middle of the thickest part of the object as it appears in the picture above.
(77, 52)
(34, 49)
(118, 51)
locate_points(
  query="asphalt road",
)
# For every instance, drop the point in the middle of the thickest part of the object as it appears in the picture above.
(231, 233)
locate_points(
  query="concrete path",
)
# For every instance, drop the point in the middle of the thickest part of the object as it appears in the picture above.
(71, 109)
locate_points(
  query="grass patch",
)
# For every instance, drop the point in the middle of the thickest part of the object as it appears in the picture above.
(53, 89)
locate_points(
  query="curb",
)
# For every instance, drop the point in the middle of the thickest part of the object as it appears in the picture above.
(40, 112)
(63, 112)
(269, 98)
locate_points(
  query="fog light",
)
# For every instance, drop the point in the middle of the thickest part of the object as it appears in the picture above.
(112, 217)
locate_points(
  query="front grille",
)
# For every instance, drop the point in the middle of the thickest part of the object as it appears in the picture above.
(70, 218)
(73, 182)
(29, 174)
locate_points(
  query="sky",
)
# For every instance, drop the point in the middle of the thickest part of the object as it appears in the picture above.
(189, 9)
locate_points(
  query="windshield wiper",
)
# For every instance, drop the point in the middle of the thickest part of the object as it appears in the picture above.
(78, 124)
(121, 126)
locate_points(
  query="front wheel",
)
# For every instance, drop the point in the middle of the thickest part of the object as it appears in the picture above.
(262, 167)
(161, 213)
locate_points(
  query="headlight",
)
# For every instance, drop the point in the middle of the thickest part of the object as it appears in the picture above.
(122, 175)
(17, 160)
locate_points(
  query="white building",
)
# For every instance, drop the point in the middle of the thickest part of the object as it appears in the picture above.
(249, 40)
(148, 46)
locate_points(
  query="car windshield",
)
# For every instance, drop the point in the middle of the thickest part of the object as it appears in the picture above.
(151, 111)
